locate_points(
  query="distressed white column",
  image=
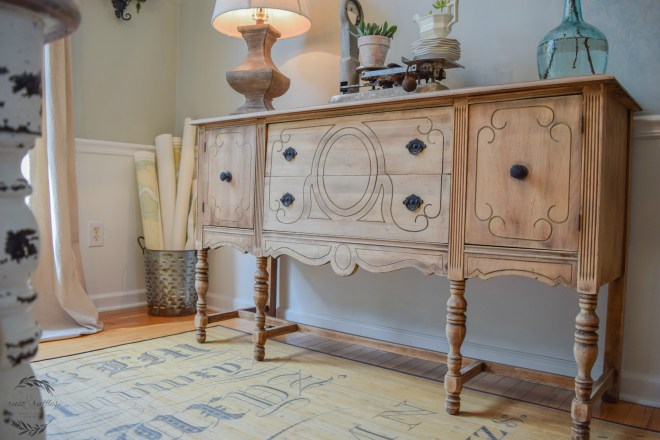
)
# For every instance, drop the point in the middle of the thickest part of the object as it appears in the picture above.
(24, 26)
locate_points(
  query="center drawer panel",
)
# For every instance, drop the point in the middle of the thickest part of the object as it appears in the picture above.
(381, 176)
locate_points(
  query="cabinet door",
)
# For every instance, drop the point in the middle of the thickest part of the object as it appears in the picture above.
(524, 173)
(230, 172)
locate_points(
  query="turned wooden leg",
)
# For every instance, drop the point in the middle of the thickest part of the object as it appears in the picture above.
(201, 286)
(456, 307)
(585, 351)
(260, 299)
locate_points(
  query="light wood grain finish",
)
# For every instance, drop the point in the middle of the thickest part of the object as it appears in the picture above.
(456, 307)
(458, 196)
(260, 299)
(329, 185)
(364, 144)
(537, 211)
(374, 256)
(548, 272)
(350, 176)
(616, 295)
(588, 245)
(257, 78)
(201, 286)
(360, 207)
(229, 203)
(586, 352)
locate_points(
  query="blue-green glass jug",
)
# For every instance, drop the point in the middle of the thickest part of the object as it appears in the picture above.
(573, 48)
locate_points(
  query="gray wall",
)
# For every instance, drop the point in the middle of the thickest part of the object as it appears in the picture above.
(124, 72)
(168, 64)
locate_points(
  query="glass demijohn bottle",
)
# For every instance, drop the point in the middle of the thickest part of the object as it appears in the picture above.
(573, 48)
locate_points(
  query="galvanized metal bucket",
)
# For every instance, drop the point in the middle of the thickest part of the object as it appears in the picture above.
(170, 279)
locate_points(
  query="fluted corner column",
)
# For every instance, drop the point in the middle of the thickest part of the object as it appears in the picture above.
(24, 26)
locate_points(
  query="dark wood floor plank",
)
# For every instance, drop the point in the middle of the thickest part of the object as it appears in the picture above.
(615, 412)
(482, 381)
(557, 397)
(639, 415)
(519, 390)
(654, 422)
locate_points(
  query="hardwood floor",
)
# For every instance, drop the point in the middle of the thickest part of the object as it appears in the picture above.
(131, 325)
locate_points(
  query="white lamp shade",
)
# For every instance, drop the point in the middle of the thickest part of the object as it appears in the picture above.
(289, 17)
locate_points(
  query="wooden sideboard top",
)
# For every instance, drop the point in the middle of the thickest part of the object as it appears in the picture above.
(446, 97)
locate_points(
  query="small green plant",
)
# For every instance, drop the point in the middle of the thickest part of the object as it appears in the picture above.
(364, 29)
(440, 5)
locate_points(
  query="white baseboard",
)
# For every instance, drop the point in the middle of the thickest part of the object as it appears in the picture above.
(106, 302)
(216, 301)
(640, 388)
(647, 127)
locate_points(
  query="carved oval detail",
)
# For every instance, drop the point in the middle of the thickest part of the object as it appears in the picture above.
(343, 257)
(346, 169)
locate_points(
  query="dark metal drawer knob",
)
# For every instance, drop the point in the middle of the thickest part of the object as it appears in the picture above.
(287, 199)
(518, 172)
(413, 202)
(415, 147)
(290, 153)
(225, 176)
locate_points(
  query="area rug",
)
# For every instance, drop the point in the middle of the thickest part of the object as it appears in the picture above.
(174, 388)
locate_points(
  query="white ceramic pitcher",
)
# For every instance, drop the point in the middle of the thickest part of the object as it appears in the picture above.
(437, 25)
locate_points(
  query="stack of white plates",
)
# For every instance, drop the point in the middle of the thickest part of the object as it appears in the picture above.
(447, 48)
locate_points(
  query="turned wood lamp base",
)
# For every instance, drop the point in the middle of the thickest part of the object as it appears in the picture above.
(257, 78)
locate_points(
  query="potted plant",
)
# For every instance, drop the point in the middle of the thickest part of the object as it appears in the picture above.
(374, 42)
(438, 22)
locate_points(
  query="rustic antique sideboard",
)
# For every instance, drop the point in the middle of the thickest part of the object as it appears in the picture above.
(527, 179)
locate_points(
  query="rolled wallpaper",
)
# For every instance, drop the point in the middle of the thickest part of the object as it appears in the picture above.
(176, 148)
(192, 218)
(145, 169)
(167, 186)
(186, 169)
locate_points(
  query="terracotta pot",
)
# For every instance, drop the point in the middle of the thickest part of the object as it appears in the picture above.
(373, 50)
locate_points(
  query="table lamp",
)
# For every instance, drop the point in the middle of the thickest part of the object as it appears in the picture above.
(260, 23)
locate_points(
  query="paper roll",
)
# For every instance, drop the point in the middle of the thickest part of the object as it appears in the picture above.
(184, 186)
(145, 169)
(176, 148)
(192, 218)
(166, 186)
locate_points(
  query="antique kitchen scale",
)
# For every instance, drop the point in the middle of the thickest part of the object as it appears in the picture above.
(434, 53)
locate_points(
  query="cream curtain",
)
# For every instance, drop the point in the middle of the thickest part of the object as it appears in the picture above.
(63, 308)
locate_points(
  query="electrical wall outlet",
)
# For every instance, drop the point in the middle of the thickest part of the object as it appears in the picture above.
(95, 234)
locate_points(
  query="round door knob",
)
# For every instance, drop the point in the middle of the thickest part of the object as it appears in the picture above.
(413, 202)
(287, 199)
(225, 176)
(415, 147)
(290, 153)
(519, 172)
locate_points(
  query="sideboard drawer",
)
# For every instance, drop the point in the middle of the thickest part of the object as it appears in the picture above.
(524, 161)
(360, 206)
(406, 142)
(229, 185)
(382, 176)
